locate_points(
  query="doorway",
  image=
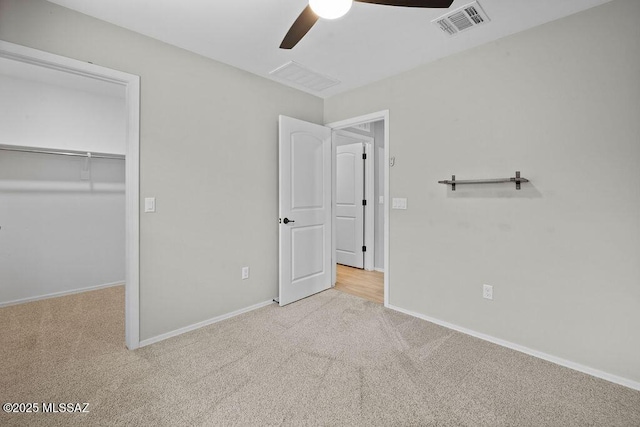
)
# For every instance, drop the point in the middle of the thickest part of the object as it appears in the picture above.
(353, 208)
(360, 194)
(72, 72)
(307, 203)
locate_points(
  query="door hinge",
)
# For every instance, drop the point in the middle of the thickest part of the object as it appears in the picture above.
(364, 249)
(364, 203)
(364, 156)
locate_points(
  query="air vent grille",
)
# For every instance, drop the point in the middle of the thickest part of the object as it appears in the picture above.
(446, 27)
(474, 15)
(293, 72)
(462, 19)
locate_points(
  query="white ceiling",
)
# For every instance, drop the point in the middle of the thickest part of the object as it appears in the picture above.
(370, 43)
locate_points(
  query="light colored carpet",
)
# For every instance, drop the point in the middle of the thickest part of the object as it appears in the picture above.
(331, 359)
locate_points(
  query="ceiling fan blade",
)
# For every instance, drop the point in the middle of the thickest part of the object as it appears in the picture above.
(431, 4)
(299, 28)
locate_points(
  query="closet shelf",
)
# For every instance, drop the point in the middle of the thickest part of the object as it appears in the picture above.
(453, 181)
(57, 152)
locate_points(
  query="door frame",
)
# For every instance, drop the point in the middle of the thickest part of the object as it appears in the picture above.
(131, 84)
(369, 195)
(367, 118)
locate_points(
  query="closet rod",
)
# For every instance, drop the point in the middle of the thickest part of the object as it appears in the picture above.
(62, 153)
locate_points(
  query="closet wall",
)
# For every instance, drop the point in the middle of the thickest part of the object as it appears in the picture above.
(60, 233)
(48, 108)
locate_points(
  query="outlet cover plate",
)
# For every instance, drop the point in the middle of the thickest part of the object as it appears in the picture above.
(150, 204)
(398, 203)
(487, 292)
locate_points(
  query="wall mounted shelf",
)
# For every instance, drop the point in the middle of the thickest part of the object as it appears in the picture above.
(453, 182)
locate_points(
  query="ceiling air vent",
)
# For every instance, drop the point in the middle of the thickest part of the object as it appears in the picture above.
(293, 72)
(462, 19)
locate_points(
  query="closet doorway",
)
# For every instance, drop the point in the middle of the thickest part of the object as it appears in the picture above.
(68, 191)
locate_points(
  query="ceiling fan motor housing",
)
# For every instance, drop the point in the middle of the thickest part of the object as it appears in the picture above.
(330, 9)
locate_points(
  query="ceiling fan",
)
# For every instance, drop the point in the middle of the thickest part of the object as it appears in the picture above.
(332, 9)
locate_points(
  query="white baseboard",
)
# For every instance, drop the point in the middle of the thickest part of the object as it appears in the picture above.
(381, 270)
(204, 323)
(535, 353)
(59, 294)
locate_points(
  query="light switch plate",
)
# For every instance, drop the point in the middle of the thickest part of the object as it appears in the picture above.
(150, 204)
(399, 203)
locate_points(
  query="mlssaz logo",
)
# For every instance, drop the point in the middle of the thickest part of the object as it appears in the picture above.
(65, 407)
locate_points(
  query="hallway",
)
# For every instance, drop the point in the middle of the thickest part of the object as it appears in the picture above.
(361, 283)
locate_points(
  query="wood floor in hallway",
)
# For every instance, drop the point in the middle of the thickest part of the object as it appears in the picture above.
(361, 283)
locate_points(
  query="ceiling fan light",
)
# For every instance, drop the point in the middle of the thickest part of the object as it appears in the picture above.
(330, 9)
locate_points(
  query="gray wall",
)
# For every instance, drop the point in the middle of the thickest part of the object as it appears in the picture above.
(561, 103)
(208, 154)
(59, 234)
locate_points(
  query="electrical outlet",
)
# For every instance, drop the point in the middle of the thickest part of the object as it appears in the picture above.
(150, 204)
(487, 291)
(245, 273)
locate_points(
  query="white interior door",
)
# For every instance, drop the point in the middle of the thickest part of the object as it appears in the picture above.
(305, 209)
(349, 205)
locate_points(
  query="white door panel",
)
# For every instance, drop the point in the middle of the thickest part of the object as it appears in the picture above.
(307, 244)
(349, 209)
(346, 234)
(345, 177)
(305, 202)
(307, 165)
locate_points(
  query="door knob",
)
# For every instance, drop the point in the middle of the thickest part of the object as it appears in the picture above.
(287, 220)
